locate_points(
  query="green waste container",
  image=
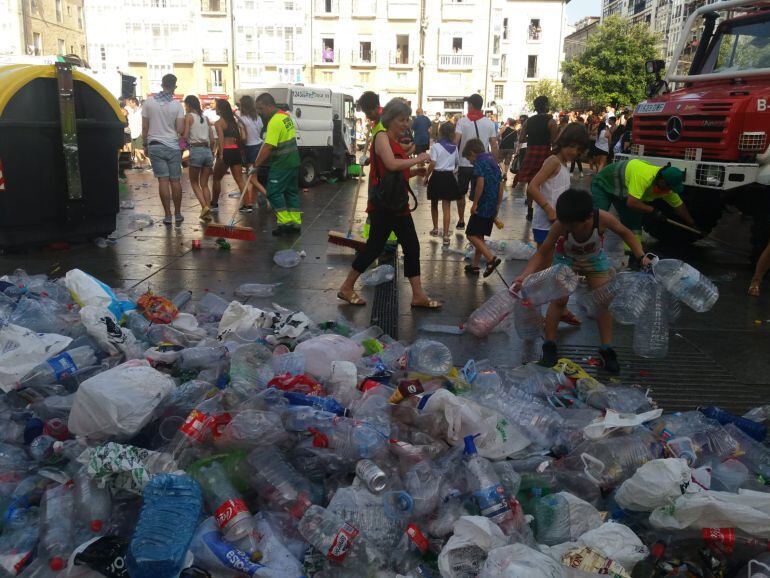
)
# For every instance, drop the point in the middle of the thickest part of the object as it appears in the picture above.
(57, 184)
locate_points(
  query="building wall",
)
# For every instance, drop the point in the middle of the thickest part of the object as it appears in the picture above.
(53, 27)
(11, 37)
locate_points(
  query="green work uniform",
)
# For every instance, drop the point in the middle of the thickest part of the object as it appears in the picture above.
(617, 181)
(283, 179)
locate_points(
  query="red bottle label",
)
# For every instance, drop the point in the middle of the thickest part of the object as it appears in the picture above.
(195, 425)
(417, 537)
(228, 511)
(724, 537)
(342, 543)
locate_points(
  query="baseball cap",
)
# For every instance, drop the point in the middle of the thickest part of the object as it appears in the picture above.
(475, 100)
(674, 178)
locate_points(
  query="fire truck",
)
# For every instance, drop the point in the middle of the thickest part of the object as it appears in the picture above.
(710, 116)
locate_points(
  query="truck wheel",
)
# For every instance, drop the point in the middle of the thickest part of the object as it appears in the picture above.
(342, 174)
(705, 206)
(308, 171)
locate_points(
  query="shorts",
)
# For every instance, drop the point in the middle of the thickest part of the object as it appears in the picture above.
(166, 161)
(464, 178)
(594, 266)
(231, 157)
(421, 148)
(137, 143)
(539, 235)
(250, 153)
(479, 226)
(595, 152)
(201, 157)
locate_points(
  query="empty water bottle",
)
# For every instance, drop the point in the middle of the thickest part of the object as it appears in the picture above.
(519, 250)
(94, 504)
(378, 275)
(484, 319)
(651, 329)
(277, 482)
(60, 367)
(218, 555)
(340, 542)
(429, 357)
(287, 258)
(231, 512)
(210, 308)
(549, 284)
(181, 299)
(171, 506)
(484, 483)
(686, 283)
(58, 512)
(750, 427)
(256, 290)
(202, 357)
(632, 293)
(527, 320)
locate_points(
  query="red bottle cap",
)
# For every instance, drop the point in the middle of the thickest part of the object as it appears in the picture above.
(56, 564)
(96, 525)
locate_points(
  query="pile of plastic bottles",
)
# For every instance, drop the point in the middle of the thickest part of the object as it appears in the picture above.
(154, 438)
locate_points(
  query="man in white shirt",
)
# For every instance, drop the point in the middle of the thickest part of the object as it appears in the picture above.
(472, 125)
(162, 123)
(135, 126)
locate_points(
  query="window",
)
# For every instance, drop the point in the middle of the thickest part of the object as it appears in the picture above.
(363, 77)
(60, 48)
(327, 54)
(532, 66)
(37, 40)
(534, 29)
(83, 50)
(216, 80)
(496, 44)
(103, 57)
(33, 6)
(80, 17)
(365, 51)
(499, 88)
(505, 29)
(59, 16)
(214, 6)
(72, 49)
(504, 65)
(327, 6)
(457, 44)
(288, 43)
(328, 76)
(155, 73)
(249, 5)
(402, 49)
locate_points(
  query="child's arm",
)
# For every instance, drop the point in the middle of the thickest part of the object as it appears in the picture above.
(549, 169)
(477, 194)
(609, 221)
(543, 256)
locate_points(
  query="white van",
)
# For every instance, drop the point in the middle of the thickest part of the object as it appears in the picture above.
(325, 124)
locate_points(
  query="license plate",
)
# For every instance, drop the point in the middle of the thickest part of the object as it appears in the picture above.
(649, 107)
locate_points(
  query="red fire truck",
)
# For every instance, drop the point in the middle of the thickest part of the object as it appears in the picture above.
(711, 116)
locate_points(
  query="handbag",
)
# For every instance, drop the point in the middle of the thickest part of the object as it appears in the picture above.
(391, 192)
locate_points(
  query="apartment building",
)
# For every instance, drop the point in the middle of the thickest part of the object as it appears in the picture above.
(11, 32)
(575, 43)
(42, 27)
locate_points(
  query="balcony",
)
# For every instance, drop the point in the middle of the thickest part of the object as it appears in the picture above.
(401, 59)
(364, 9)
(534, 33)
(326, 8)
(215, 56)
(458, 9)
(366, 60)
(403, 9)
(216, 88)
(326, 58)
(455, 61)
(213, 8)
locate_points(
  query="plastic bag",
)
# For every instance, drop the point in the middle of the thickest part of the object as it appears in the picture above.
(465, 552)
(244, 319)
(562, 517)
(104, 555)
(520, 561)
(123, 467)
(594, 562)
(320, 351)
(617, 542)
(612, 421)
(657, 483)
(87, 290)
(21, 350)
(118, 402)
(103, 327)
(156, 308)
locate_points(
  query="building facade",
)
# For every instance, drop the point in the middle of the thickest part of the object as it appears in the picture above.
(575, 43)
(11, 34)
(42, 27)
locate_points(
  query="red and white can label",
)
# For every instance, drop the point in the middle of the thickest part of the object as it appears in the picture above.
(342, 543)
(724, 537)
(417, 537)
(228, 511)
(195, 425)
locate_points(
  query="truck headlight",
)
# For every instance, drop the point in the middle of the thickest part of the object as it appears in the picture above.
(755, 142)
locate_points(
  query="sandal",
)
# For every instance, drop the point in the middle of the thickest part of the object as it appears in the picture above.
(353, 299)
(754, 289)
(473, 270)
(569, 318)
(445, 242)
(492, 266)
(434, 233)
(427, 304)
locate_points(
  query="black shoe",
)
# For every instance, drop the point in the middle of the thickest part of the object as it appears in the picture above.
(460, 225)
(530, 213)
(550, 354)
(610, 359)
(279, 231)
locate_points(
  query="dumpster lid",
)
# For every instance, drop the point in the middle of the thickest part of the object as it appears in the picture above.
(15, 76)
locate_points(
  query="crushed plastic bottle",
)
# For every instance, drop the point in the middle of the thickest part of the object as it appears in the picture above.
(256, 289)
(288, 258)
(377, 276)
(549, 284)
(484, 319)
(429, 357)
(231, 512)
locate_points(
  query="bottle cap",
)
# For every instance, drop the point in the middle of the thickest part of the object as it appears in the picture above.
(658, 549)
(96, 525)
(56, 564)
(470, 445)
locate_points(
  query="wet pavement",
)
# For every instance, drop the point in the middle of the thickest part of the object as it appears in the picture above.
(720, 357)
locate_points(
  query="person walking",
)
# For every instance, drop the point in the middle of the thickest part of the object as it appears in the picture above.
(280, 147)
(508, 138)
(442, 179)
(576, 161)
(763, 264)
(472, 125)
(198, 134)
(602, 146)
(228, 152)
(135, 127)
(162, 124)
(253, 128)
(421, 130)
(388, 157)
(434, 127)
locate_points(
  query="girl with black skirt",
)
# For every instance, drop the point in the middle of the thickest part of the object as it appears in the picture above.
(442, 178)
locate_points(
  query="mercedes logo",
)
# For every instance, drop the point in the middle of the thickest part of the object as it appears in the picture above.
(674, 128)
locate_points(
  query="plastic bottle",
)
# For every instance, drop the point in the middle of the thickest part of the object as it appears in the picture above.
(429, 357)
(159, 333)
(20, 537)
(527, 320)
(215, 553)
(549, 284)
(340, 542)
(58, 512)
(378, 275)
(289, 363)
(181, 299)
(252, 363)
(302, 418)
(256, 290)
(485, 486)
(651, 329)
(686, 283)
(484, 319)
(138, 324)
(59, 367)
(94, 504)
(171, 506)
(287, 258)
(324, 403)
(756, 430)
(194, 430)
(231, 512)
(277, 482)
(632, 293)
(519, 250)
(210, 308)
(349, 439)
(438, 328)
(202, 357)
(374, 409)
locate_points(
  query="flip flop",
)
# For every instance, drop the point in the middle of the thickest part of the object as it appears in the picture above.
(352, 299)
(492, 266)
(754, 289)
(569, 318)
(473, 270)
(428, 304)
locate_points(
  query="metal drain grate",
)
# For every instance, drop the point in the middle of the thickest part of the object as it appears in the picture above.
(385, 305)
(686, 379)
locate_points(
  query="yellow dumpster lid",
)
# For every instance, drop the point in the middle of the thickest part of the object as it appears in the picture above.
(15, 76)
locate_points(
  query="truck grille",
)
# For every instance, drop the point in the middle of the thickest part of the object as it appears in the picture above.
(707, 130)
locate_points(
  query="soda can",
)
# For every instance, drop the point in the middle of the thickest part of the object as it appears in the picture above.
(196, 244)
(371, 474)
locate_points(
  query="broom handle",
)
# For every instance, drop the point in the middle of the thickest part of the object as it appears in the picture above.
(358, 189)
(685, 227)
(240, 199)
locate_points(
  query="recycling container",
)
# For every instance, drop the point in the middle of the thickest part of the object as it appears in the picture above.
(60, 136)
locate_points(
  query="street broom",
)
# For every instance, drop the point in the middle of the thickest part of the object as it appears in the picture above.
(350, 239)
(231, 230)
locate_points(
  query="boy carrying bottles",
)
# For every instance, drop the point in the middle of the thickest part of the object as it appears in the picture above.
(487, 196)
(577, 236)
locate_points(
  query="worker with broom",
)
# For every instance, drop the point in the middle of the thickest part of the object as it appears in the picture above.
(631, 187)
(280, 148)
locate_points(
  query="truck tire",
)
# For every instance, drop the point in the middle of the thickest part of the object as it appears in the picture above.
(308, 171)
(705, 206)
(342, 174)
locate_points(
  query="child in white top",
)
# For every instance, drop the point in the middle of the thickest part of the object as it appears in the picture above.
(441, 177)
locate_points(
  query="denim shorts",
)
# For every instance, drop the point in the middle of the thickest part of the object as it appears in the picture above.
(166, 161)
(201, 157)
(250, 153)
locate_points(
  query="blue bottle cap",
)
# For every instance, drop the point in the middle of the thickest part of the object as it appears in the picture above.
(470, 445)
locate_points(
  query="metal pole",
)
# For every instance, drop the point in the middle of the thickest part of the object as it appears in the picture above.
(486, 67)
(421, 58)
(232, 46)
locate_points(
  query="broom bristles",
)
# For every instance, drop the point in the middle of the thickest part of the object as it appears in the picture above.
(230, 232)
(347, 240)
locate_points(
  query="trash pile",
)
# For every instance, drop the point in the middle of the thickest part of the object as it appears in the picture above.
(153, 438)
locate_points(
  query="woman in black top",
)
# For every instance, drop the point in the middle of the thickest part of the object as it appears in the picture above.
(228, 152)
(539, 132)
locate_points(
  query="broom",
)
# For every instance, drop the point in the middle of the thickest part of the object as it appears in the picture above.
(231, 230)
(349, 239)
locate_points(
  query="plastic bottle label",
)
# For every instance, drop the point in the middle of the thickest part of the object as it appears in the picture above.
(229, 556)
(62, 365)
(724, 537)
(417, 537)
(195, 425)
(492, 502)
(342, 543)
(229, 511)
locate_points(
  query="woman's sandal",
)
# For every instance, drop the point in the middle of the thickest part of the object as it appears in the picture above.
(445, 242)
(754, 289)
(427, 304)
(435, 233)
(569, 318)
(473, 270)
(492, 266)
(353, 299)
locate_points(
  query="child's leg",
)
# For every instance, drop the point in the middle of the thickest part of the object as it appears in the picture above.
(434, 213)
(446, 209)
(481, 249)
(553, 316)
(603, 317)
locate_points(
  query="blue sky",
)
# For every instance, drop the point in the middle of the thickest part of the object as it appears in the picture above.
(577, 9)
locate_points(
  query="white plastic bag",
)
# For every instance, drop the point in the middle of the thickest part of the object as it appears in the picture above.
(612, 421)
(87, 290)
(103, 327)
(22, 349)
(657, 483)
(320, 351)
(520, 561)
(118, 402)
(499, 437)
(467, 548)
(747, 510)
(617, 542)
(245, 319)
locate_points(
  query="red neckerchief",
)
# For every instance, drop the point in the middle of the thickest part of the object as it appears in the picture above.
(475, 115)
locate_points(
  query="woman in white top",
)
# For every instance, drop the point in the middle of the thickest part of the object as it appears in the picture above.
(601, 150)
(199, 137)
(442, 178)
(253, 125)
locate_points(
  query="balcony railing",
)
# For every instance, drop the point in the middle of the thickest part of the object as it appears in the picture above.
(327, 8)
(401, 58)
(455, 61)
(215, 55)
(326, 58)
(403, 9)
(534, 33)
(364, 59)
(364, 8)
(214, 7)
(458, 9)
